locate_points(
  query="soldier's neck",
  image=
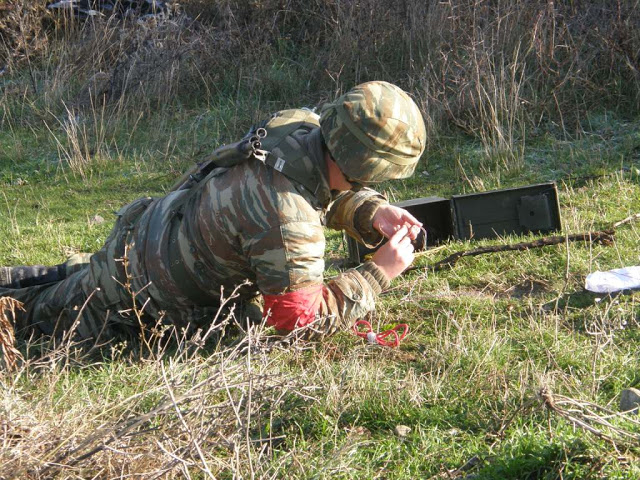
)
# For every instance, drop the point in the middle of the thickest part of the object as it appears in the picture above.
(316, 152)
(337, 180)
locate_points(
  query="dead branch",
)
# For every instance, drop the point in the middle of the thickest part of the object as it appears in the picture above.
(604, 237)
(583, 415)
(624, 221)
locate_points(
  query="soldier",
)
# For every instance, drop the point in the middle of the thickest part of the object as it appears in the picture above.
(259, 218)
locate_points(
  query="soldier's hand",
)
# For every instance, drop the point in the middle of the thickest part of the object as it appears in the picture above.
(388, 219)
(396, 255)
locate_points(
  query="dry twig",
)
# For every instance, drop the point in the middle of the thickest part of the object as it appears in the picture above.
(7, 337)
(624, 221)
(193, 418)
(592, 418)
(605, 237)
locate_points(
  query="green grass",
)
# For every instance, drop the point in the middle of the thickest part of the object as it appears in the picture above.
(485, 334)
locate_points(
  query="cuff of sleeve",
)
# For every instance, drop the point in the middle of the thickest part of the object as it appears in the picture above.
(363, 220)
(374, 276)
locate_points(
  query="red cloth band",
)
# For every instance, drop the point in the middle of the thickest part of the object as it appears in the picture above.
(292, 310)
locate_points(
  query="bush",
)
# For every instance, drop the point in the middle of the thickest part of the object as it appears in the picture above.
(22, 30)
(490, 68)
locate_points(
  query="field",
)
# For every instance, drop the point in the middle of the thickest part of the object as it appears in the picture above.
(511, 369)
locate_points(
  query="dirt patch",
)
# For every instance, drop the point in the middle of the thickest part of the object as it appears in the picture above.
(528, 288)
(479, 294)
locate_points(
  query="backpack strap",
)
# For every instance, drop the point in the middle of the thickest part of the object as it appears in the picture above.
(284, 155)
(268, 142)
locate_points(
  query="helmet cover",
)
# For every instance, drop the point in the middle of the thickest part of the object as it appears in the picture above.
(374, 132)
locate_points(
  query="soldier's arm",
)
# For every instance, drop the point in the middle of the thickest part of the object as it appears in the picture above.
(367, 216)
(324, 309)
(288, 260)
(289, 265)
(353, 212)
(387, 263)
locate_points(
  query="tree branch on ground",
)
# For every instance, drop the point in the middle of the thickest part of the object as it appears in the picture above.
(604, 237)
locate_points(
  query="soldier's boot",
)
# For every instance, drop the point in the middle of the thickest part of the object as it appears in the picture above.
(28, 276)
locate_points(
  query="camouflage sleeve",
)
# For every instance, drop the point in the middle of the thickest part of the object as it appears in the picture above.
(287, 257)
(349, 297)
(353, 212)
(289, 265)
(285, 245)
(325, 309)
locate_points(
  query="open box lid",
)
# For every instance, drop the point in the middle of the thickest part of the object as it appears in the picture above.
(530, 209)
(521, 210)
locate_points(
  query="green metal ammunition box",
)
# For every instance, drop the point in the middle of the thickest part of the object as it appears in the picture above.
(522, 210)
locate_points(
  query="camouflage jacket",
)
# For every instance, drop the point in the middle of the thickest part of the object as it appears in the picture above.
(250, 222)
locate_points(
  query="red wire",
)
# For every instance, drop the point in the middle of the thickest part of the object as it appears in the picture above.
(381, 338)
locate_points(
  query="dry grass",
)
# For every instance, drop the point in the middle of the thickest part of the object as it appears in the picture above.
(11, 354)
(496, 70)
(172, 416)
(485, 334)
(483, 66)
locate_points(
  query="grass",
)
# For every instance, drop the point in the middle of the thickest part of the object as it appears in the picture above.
(486, 335)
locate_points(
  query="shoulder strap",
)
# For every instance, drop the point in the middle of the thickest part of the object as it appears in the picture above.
(283, 155)
(262, 140)
(284, 123)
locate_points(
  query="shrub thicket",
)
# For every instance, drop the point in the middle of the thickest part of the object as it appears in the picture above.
(489, 67)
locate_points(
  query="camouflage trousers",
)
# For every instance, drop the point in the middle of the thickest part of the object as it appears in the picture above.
(98, 301)
(93, 302)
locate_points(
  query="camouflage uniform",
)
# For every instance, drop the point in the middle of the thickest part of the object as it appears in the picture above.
(246, 222)
(173, 256)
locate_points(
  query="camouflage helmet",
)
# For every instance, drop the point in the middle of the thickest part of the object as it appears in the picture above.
(374, 132)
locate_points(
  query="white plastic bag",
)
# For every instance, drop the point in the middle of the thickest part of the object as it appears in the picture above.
(626, 278)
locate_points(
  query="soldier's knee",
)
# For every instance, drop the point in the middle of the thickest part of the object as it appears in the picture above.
(76, 263)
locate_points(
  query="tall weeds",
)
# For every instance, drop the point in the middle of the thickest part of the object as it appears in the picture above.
(491, 68)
